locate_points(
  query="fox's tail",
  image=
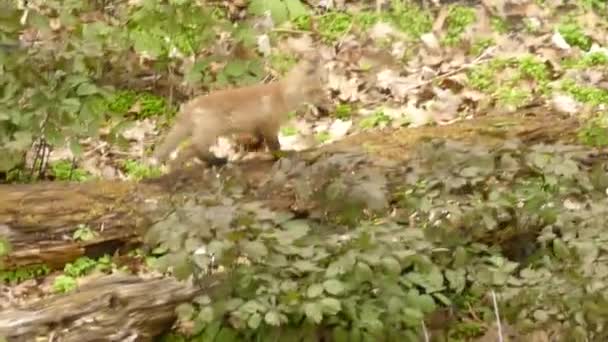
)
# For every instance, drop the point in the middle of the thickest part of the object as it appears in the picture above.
(178, 133)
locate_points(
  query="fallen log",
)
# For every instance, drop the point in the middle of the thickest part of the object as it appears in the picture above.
(39, 219)
(117, 307)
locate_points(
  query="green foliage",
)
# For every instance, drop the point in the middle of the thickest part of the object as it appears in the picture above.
(480, 45)
(343, 111)
(512, 71)
(379, 275)
(574, 35)
(84, 233)
(410, 18)
(374, 120)
(143, 105)
(137, 170)
(531, 67)
(595, 131)
(458, 20)
(24, 273)
(586, 94)
(280, 10)
(81, 267)
(599, 5)
(53, 89)
(499, 25)
(161, 29)
(512, 97)
(50, 89)
(240, 72)
(334, 25)
(66, 171)
(322, 136)
(589, 60)
(64, 284)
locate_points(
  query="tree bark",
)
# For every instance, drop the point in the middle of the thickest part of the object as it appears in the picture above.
(118, 307)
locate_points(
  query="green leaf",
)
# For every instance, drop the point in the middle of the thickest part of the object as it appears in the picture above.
(85, 89)
(560, 249)
(295, 8)
(70, 105)
(306, 266)
(253, 306)
(423, 302)
(75, 147)
(254, 320)
(314, 290)
(314, 312)
(206, 314)
(391, 265)
(254, 249)
(235, 68)
(185, 311)
(277, 9)
(331, 306)
(333, 286)
(273, 318)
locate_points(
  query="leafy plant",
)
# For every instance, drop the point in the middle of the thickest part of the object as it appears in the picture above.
(66, 171)
(459, 18)
(595, 131)
(280, 10)
(586, 94)
(84, 233)
(322, 136)
(138, 171)
(410, 19)
(334, 25)
(574, 35)
(50, 89)
(24, 273)
(64, 284)
(376, 119)
(454, 233)
(143, 105)
(80, 267)
(343, 111)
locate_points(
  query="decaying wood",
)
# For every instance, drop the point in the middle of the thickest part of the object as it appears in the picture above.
(39, 220)
(118, 307)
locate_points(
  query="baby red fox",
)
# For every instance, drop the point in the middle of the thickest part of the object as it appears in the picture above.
(259, 110)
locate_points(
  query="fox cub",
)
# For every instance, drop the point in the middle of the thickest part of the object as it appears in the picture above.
(258, 110)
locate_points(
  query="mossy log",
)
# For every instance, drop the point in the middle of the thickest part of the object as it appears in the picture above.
(39, 220)
(118, 307)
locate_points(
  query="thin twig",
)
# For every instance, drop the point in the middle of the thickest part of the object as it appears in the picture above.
(425, 332)
(498, 324)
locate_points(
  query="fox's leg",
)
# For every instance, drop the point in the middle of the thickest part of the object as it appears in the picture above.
(202, 140)
(270, 136)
